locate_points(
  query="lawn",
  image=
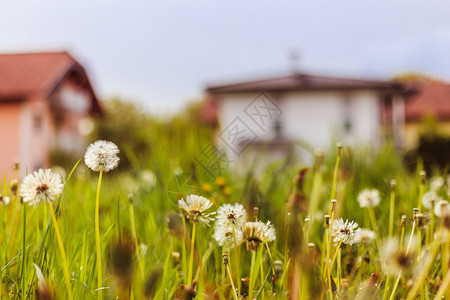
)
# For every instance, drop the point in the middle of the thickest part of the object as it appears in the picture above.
(353, 224)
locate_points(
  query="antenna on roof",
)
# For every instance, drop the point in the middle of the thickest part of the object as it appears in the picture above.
(295, 60)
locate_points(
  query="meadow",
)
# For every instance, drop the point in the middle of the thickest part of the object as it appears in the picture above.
(124, 234)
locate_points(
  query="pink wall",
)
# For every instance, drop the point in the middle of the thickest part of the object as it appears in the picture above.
(9, 137)
(28, 131)
(37, 134)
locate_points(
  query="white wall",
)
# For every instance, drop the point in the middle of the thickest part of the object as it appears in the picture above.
(316, 118)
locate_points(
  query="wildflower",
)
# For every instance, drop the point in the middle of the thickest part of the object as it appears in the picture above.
(194, 206)
(429, 199)
(227, 237)
(441, 208)
(220, 181)
(397, 259)
(231, 215)
(436, 183)
(344, 232)
(365, 236)
(41, 186)
(4, 200)
(207, 187)
(148, 178)
(369, 198)
(258, 232)
(102, 155)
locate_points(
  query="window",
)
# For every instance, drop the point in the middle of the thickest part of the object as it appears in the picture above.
(37, 122)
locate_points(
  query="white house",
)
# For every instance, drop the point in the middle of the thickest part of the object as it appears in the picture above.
(302, 111)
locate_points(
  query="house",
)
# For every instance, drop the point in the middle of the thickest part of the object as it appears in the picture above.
(305, 111)
(432, 103)
(46, 103)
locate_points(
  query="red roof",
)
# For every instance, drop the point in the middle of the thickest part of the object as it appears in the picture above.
(23, 75)
(432, 99)
(300, 81)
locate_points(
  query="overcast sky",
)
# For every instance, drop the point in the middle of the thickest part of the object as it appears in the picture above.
(163, 53)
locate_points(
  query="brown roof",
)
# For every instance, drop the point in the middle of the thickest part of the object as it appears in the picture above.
(23, 75)
(432, 99)
(300, 81)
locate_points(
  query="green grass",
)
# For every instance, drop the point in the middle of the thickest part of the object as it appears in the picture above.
(143, 256)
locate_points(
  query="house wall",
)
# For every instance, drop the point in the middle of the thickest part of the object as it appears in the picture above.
(36, 134)
(9, 137)
(74, 121)
(316, 118)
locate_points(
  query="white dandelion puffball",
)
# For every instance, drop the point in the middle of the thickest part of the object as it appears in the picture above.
(369, 198)
(258, 232)
(441, 208)
(436, 183)
(227, 238)
(195, 206)
(231, 215)
(4, 200)
(365, 236)
(344, 232)
(429, 197)
(102, 155)
(41, 186)
(397, 258)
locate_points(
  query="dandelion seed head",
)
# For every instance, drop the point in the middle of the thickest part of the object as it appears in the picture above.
(369, 198)
(231, 215)
(365, 236)
(344, 232)
(441, 208)
(41, 186)
(436, 183)
(258, 232)
(397, 259)
(194, 207)
(227, 238)
(429, 198)
(102, 155)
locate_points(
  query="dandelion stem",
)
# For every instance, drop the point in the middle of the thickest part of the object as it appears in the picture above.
(339, 270)
(335, 174)
(183, 252)
(97, 239)
(391, 213)
(233, 289)
(24, 251)
(262, 278)
(191, 254)
(62, 252)
(331, 268)
(250, 288)
(329, 237)
(395, 285)
(237, 262)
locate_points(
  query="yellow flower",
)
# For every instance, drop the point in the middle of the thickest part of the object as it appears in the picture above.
(220, 181)
(207, 187)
